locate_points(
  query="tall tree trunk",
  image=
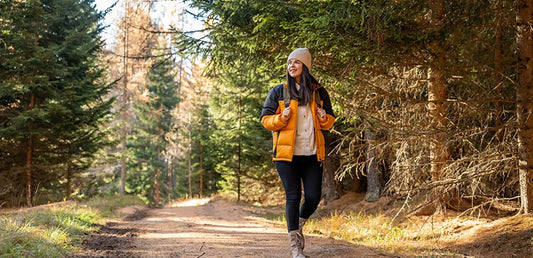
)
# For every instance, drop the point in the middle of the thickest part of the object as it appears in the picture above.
(498, 72)
(170, 172)
(437, 110)
(239, 153)
(439, 153)
(239, 172)
(123, 157)
(178, 122)
(125, 105)
(524, 101)
(29, 159)
(372, 170)
(69, 179)
(189, 158)
(30, 106)
(158, 168)
(330, 186)
(201, 170)
(156, 185)
(170, 176)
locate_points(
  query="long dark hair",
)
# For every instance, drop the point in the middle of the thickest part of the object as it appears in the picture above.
(305, 94)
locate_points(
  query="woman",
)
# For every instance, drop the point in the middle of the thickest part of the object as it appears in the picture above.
(298, 142)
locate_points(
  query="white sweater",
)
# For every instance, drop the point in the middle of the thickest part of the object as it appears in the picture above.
(304, 143)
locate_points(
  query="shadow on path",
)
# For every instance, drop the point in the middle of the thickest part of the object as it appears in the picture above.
(213, 228)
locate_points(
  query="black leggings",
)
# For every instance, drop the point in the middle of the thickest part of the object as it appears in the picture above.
(304, 169)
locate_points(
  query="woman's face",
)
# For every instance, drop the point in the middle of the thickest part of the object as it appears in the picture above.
(295, 67)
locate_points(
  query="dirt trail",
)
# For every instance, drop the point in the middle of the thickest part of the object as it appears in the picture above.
(207, 228)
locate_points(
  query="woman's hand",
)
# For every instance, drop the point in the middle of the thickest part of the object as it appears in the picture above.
(322, 116)
(286, 114)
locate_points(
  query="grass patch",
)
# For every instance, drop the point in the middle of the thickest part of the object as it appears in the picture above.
(56, 231)
(413, 236)
(358, 228)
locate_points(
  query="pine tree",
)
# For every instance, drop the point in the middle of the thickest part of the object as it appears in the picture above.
(51, 89)
(155, 121)
(129, 61)
(241, 140)
(194, 154)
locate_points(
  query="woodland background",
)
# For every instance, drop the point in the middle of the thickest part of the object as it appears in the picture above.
(433, 100)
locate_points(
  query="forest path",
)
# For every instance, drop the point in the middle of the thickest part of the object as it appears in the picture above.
(208, 228)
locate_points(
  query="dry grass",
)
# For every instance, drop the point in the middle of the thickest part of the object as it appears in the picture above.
(55, 231)
(450, 235)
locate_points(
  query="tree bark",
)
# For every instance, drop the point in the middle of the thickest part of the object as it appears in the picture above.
(201, 170)
(125, 105)
(498, 72)
(373, 172)
(524, 101)
(156, 185)
(158, 168)
(170, 173)
(239, 153)
(439, 152)
(30, 106)
(29, 158)
(69, 179)
(437, 110)
(331, 188)
(189, 158)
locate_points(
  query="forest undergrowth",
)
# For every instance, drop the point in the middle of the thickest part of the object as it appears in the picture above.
(385, 226)
(58, 230)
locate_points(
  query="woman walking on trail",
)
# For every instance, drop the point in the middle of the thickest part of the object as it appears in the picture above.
(296, 112)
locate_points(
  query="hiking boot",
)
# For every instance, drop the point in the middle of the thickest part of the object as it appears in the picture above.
(294, 239)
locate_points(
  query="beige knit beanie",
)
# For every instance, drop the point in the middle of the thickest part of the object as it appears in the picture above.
(303, 55)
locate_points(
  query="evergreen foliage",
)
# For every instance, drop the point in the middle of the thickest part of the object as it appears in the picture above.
(433, 79)
(241, 142)
(51, 94)
(435, 82)
(149, 140)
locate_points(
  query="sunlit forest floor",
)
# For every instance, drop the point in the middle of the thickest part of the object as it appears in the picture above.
(219, 227)
(382, 225)
(58, 229)
(210, 227)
